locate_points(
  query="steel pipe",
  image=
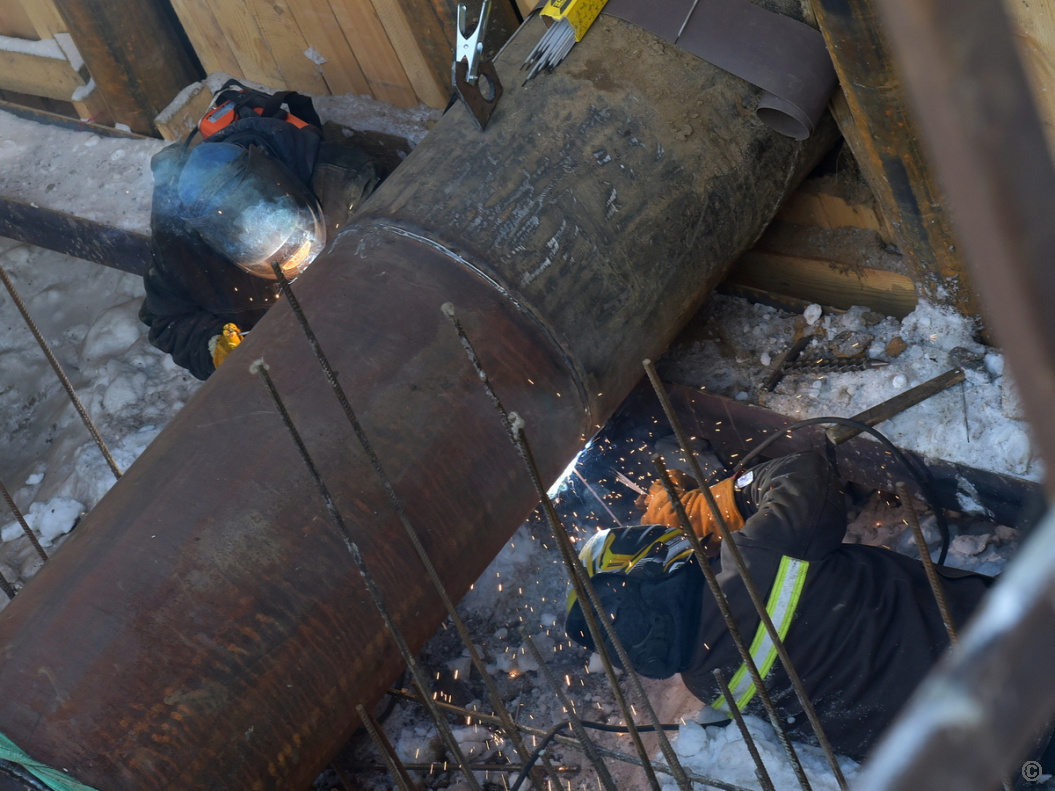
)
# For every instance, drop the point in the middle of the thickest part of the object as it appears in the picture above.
(205, 626)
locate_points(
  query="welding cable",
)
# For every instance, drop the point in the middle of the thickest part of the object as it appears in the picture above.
(553, 732)
(923, 479)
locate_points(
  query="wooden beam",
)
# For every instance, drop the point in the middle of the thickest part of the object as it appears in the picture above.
(89, 104)
(816, 203)
(181, 117)
(15, 22)
(825, 282)
(134, 55)
(37, 67)
(47, 20)
(873, 115)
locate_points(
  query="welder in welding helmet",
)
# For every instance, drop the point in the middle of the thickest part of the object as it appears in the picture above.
(650, 584)
(660, 511)
(251, 208)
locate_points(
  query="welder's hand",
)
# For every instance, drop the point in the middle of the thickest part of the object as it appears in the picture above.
(223, 344)
(660, 511)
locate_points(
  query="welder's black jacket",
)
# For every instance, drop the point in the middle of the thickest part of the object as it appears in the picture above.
(191, 290)
(866, 629)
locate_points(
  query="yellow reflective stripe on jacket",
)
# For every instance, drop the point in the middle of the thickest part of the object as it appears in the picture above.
(783, 600)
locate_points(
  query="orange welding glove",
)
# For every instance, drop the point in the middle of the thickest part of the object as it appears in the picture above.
(660, 511)
(222, 345)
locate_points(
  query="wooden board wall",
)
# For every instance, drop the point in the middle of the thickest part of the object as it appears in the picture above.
(36, 67)
(399, 52)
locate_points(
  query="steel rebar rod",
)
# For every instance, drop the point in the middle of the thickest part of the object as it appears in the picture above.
(569, 741)
(581, 581)
(564, 545)
(260, 368)
(597, 497)
(494, 696)
(7, 587)
(384, 746)
(583, 587)
(22, 521)
(749, 584)
(928, 563)
(730, 623)
(588, 746)
(66, 384)
(760, 768)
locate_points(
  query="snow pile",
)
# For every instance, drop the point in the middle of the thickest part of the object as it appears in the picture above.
(51, 465)
(979, 423)
(49, 520)
(105, 179)
(720, 752)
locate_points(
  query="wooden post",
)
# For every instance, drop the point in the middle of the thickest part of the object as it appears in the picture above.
(873, 115)
(134, 55)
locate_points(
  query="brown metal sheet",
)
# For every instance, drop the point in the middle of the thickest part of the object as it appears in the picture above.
(783, 56)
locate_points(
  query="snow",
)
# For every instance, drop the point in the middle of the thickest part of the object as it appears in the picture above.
(978, 423)
(88, 314)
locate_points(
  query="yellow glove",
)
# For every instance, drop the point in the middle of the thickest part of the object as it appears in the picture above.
(222, 345)
(660, 511)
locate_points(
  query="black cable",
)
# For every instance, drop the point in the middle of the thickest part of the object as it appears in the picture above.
(923, 479)
(553, 732)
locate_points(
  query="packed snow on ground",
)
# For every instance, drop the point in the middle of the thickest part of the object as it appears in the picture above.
(88, 314)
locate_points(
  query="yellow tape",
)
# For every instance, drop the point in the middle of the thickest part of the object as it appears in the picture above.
(579, 13)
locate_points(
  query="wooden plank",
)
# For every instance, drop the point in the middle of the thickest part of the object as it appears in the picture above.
(256, 62)
(814, 204)
(47, 20)
(287, 44)
(369, 40)
(208, 40)
(873, 115)
(134, 54)
(1033, 25)
(430, 87)
(15, 22)
(341, 71)
(90, 105)
(176, 122)
(826, 282)
(39, 69)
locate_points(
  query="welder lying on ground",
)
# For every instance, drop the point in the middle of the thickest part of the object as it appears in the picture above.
(262, 189)
(860, 622)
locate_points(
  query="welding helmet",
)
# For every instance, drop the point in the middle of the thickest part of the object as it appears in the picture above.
(649, 583)
(251, 208)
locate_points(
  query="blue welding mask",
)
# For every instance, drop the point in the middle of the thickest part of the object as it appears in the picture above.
(251, 208)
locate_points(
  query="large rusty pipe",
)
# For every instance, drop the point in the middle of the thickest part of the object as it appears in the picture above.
(205, 628)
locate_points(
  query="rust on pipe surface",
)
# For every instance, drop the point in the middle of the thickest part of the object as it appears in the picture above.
(205, 626)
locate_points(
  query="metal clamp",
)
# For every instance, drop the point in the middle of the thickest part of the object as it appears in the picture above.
(470, 65)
